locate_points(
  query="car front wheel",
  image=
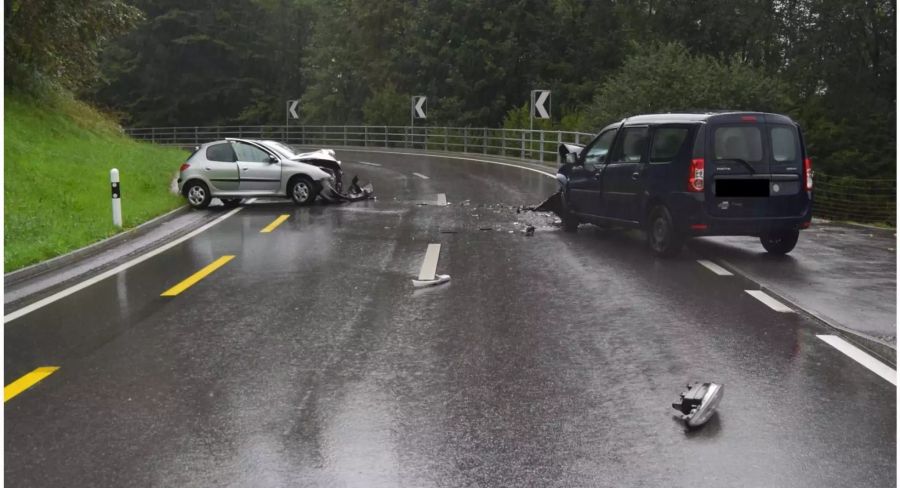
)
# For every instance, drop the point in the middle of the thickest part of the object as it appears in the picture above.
(302, 191)
(198, 195)
(569, 220)
(780, 242)
(662, 236)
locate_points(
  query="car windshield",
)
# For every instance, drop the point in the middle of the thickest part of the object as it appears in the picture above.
(281, 149)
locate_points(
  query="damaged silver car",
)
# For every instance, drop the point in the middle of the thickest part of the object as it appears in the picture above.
(233, 169)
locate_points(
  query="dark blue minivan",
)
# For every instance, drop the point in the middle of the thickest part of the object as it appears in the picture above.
(678, 176)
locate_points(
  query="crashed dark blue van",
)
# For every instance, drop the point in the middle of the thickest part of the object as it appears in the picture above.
(678, 176)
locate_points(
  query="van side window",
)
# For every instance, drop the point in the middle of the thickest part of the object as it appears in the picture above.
(220, 152)
(667, 143)
(596, 154)
(631, 148)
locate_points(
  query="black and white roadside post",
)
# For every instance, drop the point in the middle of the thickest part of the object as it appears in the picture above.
(116, 197)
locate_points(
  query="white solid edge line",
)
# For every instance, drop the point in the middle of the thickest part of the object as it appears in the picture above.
(769, 301)
(551, 175)
(429, 264)
(102, 276)
(715, 268)
(861, 357)
(420, 175)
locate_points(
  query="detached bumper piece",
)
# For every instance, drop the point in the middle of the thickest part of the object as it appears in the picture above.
(355, 193)
(698, 403)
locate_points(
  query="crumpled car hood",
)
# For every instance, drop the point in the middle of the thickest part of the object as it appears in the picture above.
(326, 154)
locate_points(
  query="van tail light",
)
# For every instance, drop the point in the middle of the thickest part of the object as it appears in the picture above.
(807, 174)
(695, 177)
(184, 166)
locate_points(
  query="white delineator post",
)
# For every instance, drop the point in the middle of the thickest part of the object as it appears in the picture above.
(116, 197)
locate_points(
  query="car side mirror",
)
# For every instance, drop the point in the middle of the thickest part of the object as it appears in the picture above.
(272, 159)
(571, 158)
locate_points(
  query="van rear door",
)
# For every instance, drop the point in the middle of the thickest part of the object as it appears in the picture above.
(755, 163)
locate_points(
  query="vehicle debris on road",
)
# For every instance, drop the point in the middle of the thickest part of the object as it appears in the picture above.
(698, 403)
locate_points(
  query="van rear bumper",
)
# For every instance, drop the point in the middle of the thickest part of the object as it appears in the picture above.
(695, 221)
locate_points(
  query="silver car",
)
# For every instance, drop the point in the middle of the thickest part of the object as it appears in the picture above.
(233, 169)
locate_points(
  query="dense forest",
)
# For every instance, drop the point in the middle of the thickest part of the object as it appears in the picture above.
(831, 64)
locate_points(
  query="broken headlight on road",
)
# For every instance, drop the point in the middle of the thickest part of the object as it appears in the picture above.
(698, 403)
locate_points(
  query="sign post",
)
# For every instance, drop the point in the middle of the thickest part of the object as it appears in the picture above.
(538, 98)
(416, 111)
(290, 109)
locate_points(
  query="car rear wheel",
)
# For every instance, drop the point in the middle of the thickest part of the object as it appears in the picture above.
(569, 220)
(302, 191)
(662, 236)
(197, 194)
(780, 242)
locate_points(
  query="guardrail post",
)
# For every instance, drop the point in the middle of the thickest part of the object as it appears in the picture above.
(465, 139)
(558, 143)
(522, 155)
(196, 136)
(153, 134)
(484, 142)
(365, 136)
(446, 139)
(386, 136)
(426, 138)
(345, 135)
(541, 152)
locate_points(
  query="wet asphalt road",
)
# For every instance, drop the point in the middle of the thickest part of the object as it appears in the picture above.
(552, 360)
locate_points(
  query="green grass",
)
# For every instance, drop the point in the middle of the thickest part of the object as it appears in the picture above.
(58, 153)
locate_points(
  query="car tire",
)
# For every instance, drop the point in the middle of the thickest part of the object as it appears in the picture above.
(302, 190)
(663, 237)
(780, 242)
(569, 220)
(198, 195)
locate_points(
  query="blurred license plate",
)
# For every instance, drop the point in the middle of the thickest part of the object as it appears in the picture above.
(742, 188)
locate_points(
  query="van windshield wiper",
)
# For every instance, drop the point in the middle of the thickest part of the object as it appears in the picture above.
(745, 163)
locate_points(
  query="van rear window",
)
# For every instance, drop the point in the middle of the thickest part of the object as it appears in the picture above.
(785, 144)
(739, 142)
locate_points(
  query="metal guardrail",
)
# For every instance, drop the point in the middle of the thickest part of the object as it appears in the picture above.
(837, 198)
(538, 145)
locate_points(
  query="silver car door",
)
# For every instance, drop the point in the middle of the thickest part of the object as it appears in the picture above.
(258, 173)
(220, 167)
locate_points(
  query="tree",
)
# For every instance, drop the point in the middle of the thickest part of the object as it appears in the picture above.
(668, 78)
(59, 41)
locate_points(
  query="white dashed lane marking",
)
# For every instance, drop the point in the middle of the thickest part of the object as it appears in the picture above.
(420, 175)
(861, 357)
(769, 301)
(715, 268)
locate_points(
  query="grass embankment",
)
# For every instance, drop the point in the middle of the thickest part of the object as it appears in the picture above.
(57, 156)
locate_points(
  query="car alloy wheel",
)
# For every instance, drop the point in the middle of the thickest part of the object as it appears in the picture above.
(301, 191)
(196, 195)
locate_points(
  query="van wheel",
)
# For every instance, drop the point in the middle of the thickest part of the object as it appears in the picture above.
(662, 236)
(302, 190)
(780, 242)
(569, 220)
(198, 195)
